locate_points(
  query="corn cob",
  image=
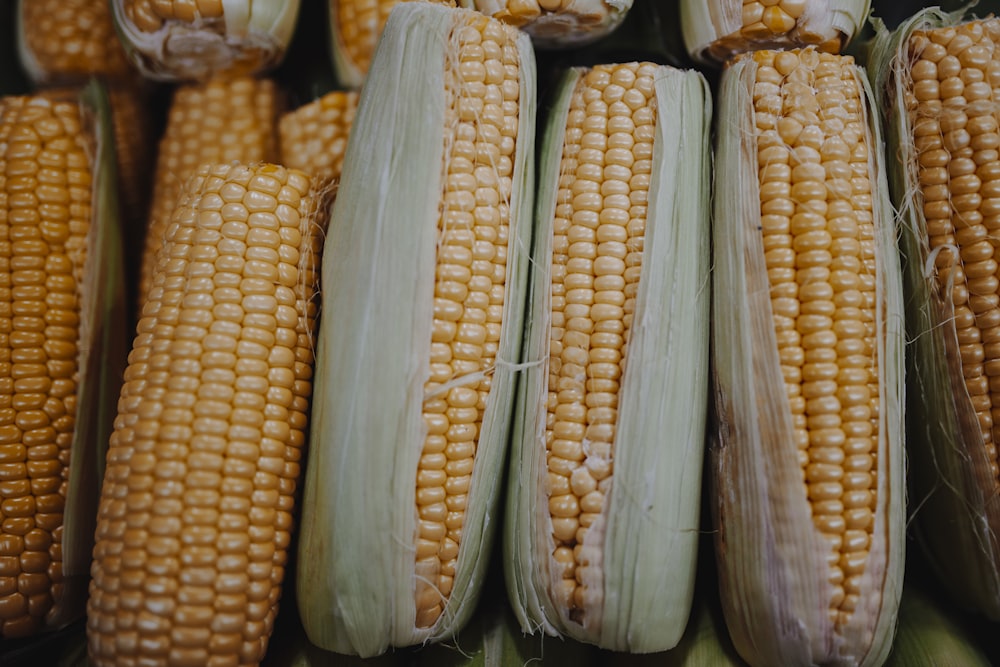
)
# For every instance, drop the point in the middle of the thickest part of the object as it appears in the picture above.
(218, 121)
(60, 322)
(808, 356)
(194, 40)
(196, 508)
(314, 136)
(66, 41)
(715, 30)
(615, 368)
(940, 100)
(439, 322)
(559, 23)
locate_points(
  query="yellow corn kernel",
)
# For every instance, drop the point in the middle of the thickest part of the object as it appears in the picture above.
(219, 121)
(314, 136)
(197, 504)
(67, 41)
(149, 15)
(45, 213)
(597, 260)
(558, 23)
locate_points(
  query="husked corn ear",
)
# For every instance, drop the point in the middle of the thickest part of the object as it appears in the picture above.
(223, 120)
(425, 269)
(59, 275)
(197, 505)
(66, 41)
(613, 404)
(187, 40)
(355, 27)
(314, 136)
(808, 468)
(559, 23)
(939, 99)
(715, 30)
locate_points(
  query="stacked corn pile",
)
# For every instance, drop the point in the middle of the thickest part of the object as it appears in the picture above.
(807, 461)
(411, 376)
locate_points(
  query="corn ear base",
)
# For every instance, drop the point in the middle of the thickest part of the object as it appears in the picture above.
(252, 37)
(773, 576)
(714, 31)
(956, 515)
(649, 547)
(378, 284)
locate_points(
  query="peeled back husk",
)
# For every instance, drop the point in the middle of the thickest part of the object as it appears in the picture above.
(773, 561)
(356, 577)
(250, 37)
(648, 527)
(954, 492)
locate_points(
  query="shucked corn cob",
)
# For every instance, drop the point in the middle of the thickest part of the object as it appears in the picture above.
(66, 41)
(715, 30)
(615, 411)
(423, 284)
(185, 40)
(314, 136)
(219, 121)
(60, 323)
(808, 474)
(196, 509)
(940, 96)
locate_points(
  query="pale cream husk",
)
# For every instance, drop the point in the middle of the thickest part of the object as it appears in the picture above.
(956, 509)
(772, 569)
(356, 577)
(648, 530)
(711, 28)
(252, 37)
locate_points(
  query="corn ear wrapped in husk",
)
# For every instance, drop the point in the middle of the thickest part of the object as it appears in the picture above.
(423, 287)
(601, 524)
(561, 24)
(932, 131)
(929, 635)
(715, 30)
(193, 41)
(807, 459)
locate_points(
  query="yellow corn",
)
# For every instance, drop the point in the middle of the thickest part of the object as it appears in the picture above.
(818, 514)
(454, 240)
(60, 281)
(185, 40)
(558, 23)
(938, 76)
(219, 121)
(68, 40)
(198, 497)
(615, 232)
(715, 30)
(314, 136)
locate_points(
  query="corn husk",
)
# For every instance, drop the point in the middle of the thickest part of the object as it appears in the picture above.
(573, 24)
(956, 505)
(928, 635)
(773, 574)
(356, 578)
(251, 37)
(713, 29)
(101, 360)
(650, 514)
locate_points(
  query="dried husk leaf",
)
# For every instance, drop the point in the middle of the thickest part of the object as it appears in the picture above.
(356, 577)
(956, 505)
(650, 515)
(252, 37)
(712, 27)
(773, 575)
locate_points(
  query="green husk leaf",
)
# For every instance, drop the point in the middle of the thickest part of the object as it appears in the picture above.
(928, 635)
(104, 342)
(956, 509)
(252, 37)
(650, 520)
(773, 575)
(356, 578)
(712, 27)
